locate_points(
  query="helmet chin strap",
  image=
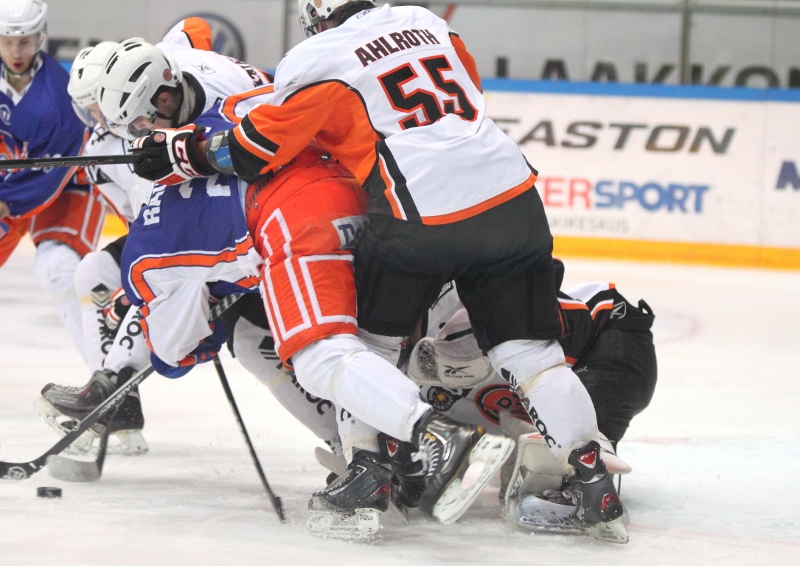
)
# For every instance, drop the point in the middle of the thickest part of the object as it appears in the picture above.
(27, 72)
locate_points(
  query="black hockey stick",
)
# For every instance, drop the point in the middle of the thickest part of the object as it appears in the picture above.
(277, 504)
(80, 161)
(24, 470)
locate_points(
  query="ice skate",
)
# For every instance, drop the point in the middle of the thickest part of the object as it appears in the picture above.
(459, 460)
(61, 407)
(351, 506)
(408, 479)
(599, 512)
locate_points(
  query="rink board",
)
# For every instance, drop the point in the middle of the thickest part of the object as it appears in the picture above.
(698, 174)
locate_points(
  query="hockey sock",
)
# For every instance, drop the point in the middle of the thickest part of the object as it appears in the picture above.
(96, 279)
(555, 398)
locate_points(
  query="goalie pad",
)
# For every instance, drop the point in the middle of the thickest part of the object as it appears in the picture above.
(452, 359)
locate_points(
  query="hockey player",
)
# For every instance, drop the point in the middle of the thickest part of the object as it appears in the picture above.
(166, 227)
(98, 276)
(608, 344)
(55, 206)
(394, 95)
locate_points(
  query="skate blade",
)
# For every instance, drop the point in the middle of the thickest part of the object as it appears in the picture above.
(56, 420)
(361, 525)
(537, 514)
(128, 443)
(613, 531)
(490, 451)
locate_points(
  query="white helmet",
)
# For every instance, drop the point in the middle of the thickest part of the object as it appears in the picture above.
(22, 17)
(132, 75)
(312, 12)
(85, 73)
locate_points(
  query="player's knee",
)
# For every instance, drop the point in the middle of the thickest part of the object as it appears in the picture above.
(319, 365)
(387, 347)
(254, 347)
(97, 268)
(519, 361)
(55, 265)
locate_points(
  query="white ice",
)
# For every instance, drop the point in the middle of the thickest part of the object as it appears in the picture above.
(716, 456)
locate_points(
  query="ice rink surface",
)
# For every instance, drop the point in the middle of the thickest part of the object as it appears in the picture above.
(716, 456)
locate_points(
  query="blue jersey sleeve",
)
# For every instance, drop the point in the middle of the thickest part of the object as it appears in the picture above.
(42, 124)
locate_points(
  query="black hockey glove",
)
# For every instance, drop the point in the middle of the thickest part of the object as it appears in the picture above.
(171, 155)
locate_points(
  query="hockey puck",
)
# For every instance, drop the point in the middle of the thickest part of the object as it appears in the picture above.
(50, 492)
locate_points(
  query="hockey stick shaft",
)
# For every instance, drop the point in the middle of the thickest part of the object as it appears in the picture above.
(23, 470)
(277, 504)
(80, 161)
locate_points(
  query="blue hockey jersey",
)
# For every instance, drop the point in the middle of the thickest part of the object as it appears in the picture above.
(41, 124)
(188, 242)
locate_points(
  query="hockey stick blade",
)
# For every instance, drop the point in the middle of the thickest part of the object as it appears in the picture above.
(74, 161)
(24, 470)
(67, 469)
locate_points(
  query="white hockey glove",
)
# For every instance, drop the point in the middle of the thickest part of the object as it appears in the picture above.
(172, 156)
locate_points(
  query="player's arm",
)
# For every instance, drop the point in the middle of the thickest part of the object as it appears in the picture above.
(466, 59)
(192, 32)
(266, 139)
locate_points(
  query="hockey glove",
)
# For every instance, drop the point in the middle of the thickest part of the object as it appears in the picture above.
(206, 351)
(117, 309)
(171, 155)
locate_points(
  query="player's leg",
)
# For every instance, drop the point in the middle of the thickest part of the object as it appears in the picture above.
(251, 342)
(398, 279)
(511, 298)
(620, 370)
(63, 233)
(97, 278)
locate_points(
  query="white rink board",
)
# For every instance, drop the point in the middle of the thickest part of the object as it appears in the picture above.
(656, 163)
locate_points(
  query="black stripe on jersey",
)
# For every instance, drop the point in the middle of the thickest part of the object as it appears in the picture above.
(376, 187)
(258, 138)
(246, 165)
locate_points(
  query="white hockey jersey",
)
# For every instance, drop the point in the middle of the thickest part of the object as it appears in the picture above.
(394, 95)
(123, 189)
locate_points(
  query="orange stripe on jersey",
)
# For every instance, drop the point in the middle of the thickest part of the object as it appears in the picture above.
(332, 113)
(199, 33)
(572, 305)
(602, 306)
(394, 202)
(466, 59)
(229, 106)
(481, 207)
(139, 269)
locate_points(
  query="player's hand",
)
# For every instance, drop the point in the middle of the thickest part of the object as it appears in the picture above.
(4, 210)
(171, 155)
(206, 351)
(116, 309)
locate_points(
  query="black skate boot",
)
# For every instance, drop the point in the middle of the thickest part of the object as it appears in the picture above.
(350, 507)
(408, 478)
(599, 511)
(447, 451)
(61, 407)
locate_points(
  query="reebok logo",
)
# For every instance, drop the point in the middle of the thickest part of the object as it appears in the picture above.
(619, 310)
